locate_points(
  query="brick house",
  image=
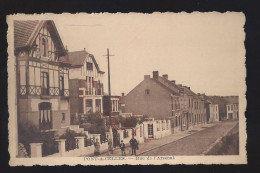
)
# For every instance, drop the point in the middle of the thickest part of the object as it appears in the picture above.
(86, 84)
(42, 76)
(161, 98)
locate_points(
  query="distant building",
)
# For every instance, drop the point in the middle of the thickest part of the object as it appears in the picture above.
(232, 107)
(228, 106)
(86, 84)
(212, 109)
(42, 75)
(163, 99)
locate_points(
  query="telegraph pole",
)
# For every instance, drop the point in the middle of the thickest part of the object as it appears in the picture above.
(109, 87)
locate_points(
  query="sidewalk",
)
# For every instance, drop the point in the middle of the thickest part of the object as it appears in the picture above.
(156, 143)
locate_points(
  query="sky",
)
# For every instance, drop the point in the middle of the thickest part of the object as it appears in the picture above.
(204, 51)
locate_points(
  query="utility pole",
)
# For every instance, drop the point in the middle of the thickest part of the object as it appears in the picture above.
(109, 88)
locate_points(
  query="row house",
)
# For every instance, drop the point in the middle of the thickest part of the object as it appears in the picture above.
(212, 109)
(161, 98)
(86, 84)
(42, 76)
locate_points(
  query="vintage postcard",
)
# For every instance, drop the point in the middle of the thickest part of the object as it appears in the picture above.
(134, 88)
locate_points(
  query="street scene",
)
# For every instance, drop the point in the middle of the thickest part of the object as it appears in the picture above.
(77, 96)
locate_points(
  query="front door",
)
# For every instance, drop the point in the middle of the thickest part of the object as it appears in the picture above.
(150, 130)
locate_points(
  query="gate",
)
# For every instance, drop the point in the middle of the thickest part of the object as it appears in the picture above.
(116, 136)
(150, 130)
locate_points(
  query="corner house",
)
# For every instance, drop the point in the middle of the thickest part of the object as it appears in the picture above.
(42, 75)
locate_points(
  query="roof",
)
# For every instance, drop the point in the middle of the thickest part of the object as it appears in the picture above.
(231, 99)
(164, 86)
(180, 88)
(218, 99)
(209, 99)
(23, 31)
(78, 58)
(26, 31)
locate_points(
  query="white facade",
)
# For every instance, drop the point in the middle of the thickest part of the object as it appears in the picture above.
(232, 111)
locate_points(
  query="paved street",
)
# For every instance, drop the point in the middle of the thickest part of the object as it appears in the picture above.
(192, 142)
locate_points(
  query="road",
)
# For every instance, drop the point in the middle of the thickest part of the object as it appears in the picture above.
(194, 144)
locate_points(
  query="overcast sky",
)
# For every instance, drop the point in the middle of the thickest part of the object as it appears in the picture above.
(202, 50)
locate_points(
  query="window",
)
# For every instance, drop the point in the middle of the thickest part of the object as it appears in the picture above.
(158, 125)
(141, 131)
(62, 85)
(147, 92)
(125, 133)
(45, 83)
(89, 66)
(89, 106)
(63, 116)
(44, 47)
(45, 117)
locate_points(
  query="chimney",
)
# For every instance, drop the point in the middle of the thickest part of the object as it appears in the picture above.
(188, 88)
(84, 49)
(123, 94)
(173, 81)
(155, 75)
(146, 77)
(165, 76)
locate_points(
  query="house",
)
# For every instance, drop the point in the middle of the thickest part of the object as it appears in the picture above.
(221, 106)
(42, 76)
(161, 98)
(232, 107)
(212, 109)
(86, 84)
(228, 106)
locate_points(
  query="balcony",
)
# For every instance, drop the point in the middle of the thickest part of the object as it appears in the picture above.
(39, 91)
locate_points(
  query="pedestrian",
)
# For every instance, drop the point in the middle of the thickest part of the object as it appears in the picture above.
(110, 146)
(122, 147)
(96, 148)
(133, 145)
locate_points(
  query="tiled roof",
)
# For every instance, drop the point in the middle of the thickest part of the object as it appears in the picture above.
(24, 31)
(77, 58)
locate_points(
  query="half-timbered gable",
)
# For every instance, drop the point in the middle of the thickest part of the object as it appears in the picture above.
(42, 74)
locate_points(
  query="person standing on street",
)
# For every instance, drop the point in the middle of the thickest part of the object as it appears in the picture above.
(122, 147)
(96, 148)
(133, 145)
(110, 146)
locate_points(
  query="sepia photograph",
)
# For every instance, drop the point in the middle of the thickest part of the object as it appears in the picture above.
(127, 88)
